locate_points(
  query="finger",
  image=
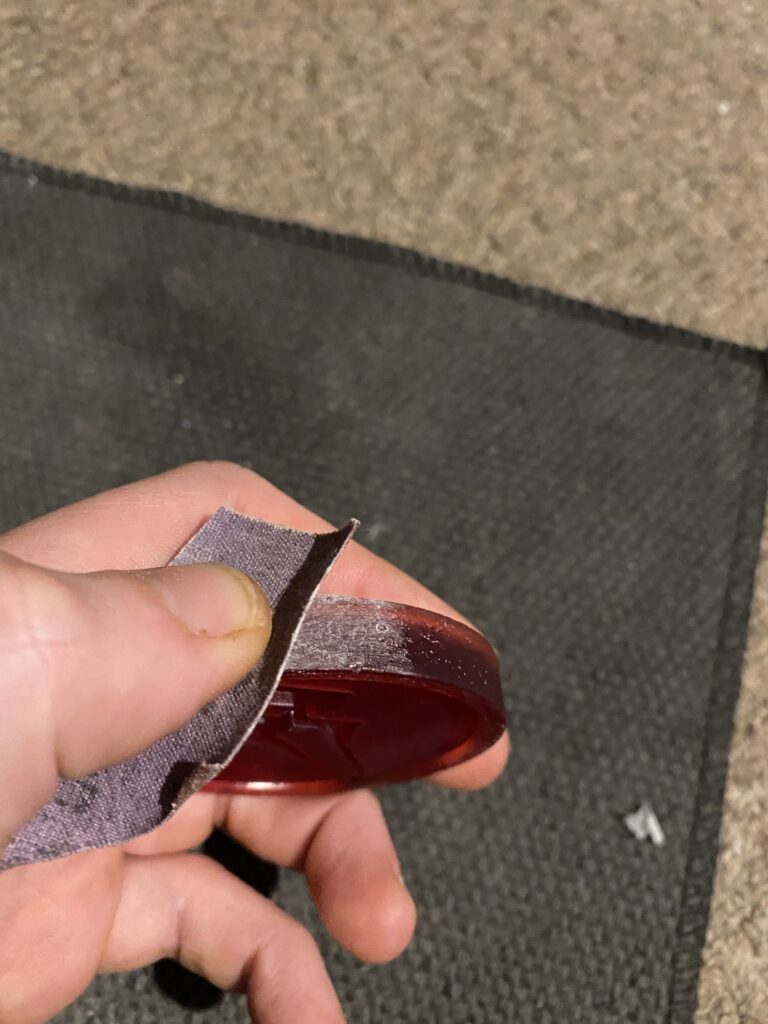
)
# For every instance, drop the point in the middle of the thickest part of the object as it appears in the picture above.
(98, 666)
(42, 908)
(190, 908)
(477, 773)
(341, 843)
(147, 522)
(186, 828)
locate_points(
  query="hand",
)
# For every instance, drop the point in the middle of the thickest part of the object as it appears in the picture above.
(72, 702)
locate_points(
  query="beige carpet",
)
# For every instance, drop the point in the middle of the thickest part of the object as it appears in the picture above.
(615, 151)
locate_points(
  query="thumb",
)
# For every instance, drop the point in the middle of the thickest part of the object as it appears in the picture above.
(95, 667)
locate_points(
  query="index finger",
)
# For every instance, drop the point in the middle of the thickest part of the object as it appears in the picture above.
(144, 524)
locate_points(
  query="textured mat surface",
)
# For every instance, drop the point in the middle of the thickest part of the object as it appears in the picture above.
(609, 473)
(614, 151)
(610, 151)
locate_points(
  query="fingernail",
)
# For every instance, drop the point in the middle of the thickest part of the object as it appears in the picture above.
(211, 600)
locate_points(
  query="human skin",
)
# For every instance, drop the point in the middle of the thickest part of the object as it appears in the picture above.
(74, 593)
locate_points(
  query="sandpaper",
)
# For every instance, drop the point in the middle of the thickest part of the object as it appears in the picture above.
(119, 803)
(585, 487)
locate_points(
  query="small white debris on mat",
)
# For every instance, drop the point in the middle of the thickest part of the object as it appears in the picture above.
(643, 824)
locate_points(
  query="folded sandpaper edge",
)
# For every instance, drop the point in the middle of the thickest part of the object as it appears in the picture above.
(698, 883)
(288, 612)
(133, 797)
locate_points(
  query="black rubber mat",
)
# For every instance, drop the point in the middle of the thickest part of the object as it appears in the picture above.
(587, 488)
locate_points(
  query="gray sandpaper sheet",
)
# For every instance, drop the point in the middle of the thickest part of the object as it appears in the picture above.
(587, 488)
(131, 798)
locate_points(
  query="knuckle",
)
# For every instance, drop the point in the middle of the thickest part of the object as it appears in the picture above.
(286, 933)
(361, 803)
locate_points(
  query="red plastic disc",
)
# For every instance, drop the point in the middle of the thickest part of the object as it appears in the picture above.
(414, 692)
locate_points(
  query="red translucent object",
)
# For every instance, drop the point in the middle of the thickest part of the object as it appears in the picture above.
(429, 699)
